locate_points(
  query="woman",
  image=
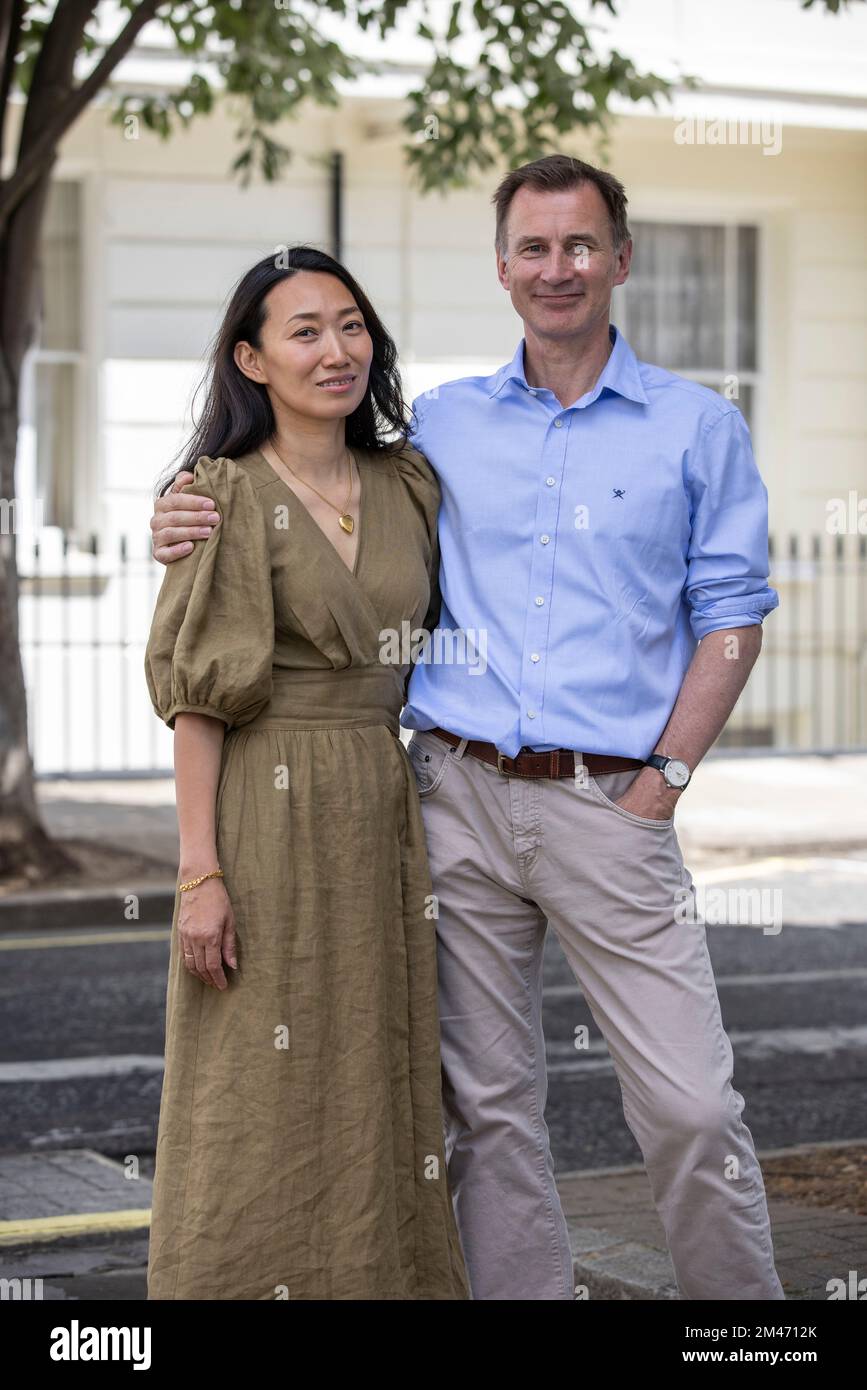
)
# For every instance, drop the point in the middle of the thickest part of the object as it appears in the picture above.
(300, 1147)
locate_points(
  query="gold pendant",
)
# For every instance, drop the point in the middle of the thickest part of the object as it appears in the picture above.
(347, 522)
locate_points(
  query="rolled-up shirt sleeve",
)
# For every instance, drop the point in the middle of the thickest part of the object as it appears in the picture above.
(727, 561)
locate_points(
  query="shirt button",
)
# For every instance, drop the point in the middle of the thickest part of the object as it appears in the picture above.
(539, 602)
(531, 714)
(534, 656)
(544, 539)
(550, 481)
(558, 424)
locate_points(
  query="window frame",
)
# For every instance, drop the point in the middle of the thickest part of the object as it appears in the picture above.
(728, 218)
(82, 519)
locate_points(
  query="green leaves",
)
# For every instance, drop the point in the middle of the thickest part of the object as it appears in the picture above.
(535, 78)
(833, 6)
(529, 72)
(268, 54)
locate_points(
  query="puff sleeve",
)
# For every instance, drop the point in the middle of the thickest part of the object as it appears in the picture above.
(211, 644)
(424, 489)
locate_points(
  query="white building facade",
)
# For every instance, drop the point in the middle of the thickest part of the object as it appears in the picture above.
(748, 205)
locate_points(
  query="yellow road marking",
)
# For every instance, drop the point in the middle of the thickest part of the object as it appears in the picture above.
(756, 868)
(40, 1228)
(29, 943)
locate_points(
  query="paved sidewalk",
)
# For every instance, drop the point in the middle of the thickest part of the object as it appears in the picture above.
(137, 812)
(75, 1221)
(738, 809)
(780, 805)
(619, 1250)
(764, 805)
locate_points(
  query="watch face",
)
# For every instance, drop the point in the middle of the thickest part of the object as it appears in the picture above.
(676, 773)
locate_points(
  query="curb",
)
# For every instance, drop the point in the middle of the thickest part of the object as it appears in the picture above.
(619, 1252)
(612, 1269)
(636, 1169)
(88, 907)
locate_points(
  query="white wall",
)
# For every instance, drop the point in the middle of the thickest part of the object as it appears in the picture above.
(172, 247)
(168, 231)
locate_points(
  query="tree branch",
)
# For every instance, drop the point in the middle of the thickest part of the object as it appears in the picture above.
(53, 71)
(11, 19)
(11, 24)
(37, 155)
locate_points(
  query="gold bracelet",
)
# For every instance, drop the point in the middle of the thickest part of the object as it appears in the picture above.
(194, 883)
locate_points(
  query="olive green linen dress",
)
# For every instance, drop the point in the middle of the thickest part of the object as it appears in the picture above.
(300, 1149)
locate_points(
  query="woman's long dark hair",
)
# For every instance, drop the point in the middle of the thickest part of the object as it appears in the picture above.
(237, 416)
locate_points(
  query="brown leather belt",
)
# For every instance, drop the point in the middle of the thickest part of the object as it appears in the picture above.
(560, 762)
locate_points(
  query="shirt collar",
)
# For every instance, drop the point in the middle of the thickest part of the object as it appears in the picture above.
(620, 373)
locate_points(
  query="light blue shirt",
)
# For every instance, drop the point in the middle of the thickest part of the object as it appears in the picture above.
(584, 553)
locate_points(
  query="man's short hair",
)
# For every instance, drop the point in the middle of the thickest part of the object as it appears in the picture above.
(556, 172)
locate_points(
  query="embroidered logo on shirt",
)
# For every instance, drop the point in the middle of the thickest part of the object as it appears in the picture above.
(619, 492)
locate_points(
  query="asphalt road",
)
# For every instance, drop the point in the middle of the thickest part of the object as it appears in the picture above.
(82, 1017)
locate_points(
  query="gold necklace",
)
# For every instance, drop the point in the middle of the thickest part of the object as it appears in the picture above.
(344, 518)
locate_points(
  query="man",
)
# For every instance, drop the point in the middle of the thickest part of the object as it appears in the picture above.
(604, 528)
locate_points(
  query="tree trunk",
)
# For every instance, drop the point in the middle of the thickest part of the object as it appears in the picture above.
(53, 104)
(26, 850)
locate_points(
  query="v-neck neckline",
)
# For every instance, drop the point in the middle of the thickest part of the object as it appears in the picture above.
(362, 520)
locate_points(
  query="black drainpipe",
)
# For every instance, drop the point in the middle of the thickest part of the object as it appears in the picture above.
(337, 205)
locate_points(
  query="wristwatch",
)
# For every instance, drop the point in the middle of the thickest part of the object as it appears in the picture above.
(674, 770)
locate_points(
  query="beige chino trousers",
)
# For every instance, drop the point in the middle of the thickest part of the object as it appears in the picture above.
(510, 856)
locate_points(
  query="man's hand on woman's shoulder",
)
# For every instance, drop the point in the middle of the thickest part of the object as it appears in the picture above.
(178, 521)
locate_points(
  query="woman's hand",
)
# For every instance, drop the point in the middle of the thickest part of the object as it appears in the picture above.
(206, 932)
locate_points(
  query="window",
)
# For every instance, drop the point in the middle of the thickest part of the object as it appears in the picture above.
(690, 304)
(52, 396)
